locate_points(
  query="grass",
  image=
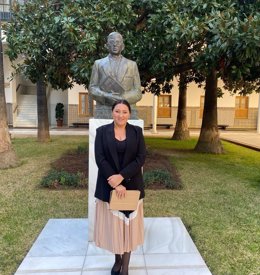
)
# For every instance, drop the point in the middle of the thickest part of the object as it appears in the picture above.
(219, 205)
(25, 206)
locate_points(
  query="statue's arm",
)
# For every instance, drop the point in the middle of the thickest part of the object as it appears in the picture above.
(135, 94)
(94, 90)
(103, 97)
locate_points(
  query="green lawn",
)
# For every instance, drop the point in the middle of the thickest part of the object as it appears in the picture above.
(220, 202)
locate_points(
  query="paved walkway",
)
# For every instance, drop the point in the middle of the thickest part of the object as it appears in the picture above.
(63, 248)
(250, 139)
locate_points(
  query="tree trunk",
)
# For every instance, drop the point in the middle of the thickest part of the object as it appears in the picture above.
(43, 121)
(7, 155)
(181, 131)
(209, 141)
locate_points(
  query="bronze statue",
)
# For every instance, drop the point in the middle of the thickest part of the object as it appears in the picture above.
(113, 78)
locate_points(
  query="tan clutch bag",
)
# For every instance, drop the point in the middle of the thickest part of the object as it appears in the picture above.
(129, 202)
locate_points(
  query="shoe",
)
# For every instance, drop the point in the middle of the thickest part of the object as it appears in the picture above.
(115, 272)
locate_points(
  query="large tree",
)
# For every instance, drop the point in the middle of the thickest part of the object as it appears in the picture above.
(67, 36)
(58, 41)
(181, 131)
(37, 53)
(223, 39)
(7, 155)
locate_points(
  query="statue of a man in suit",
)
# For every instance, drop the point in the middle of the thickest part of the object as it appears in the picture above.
(113, 78)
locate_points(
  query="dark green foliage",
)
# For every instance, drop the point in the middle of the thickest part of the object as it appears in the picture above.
(59, 111)
(55, 179)
(160, 177)
(60, 40)
(199, 35)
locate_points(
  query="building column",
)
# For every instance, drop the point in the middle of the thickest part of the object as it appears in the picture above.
(258, 116)
(155, 105)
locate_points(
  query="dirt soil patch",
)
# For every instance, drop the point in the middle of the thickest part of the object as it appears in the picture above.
(74, 162)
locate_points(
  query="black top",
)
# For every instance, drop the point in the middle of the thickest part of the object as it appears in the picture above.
(120, 148)
(115, 157)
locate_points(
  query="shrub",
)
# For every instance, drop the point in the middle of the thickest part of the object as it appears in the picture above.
(55, 179)
(82, 149)
(160, 177)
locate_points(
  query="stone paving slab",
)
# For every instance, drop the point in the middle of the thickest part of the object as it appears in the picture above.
(63, 248)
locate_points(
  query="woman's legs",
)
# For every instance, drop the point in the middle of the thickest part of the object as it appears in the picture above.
(125, 263)
(117, 265)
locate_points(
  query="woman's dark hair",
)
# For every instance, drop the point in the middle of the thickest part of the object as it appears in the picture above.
(122, 101)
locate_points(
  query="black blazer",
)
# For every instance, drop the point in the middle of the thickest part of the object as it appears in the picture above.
(108, 163)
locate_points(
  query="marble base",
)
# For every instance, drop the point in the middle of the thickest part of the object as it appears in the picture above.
(92, 167)
(63, 248)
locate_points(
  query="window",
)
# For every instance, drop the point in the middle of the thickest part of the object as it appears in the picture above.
(5, 5)
(5, 9)
(241, 108)
(83, 104)
(202, 101)
(164, 105)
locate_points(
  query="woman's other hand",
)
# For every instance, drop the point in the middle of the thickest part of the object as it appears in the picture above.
(115, 180)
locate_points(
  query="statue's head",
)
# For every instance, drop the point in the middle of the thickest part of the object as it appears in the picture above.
(115, 43)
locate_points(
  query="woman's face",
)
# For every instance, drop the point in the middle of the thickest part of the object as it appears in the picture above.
(120, 114)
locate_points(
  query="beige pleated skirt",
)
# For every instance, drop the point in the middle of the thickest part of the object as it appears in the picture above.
(115, 232)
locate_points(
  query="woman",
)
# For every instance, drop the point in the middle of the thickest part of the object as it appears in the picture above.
(120, 155)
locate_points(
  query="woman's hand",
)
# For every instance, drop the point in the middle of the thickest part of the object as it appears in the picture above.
(115, 180)
(120, 191)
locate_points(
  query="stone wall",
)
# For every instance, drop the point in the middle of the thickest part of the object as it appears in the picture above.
(73, 115)
(225, 116)
(145, 113)
(246, 123)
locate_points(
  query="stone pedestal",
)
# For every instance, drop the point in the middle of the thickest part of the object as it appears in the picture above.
(92, 168)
